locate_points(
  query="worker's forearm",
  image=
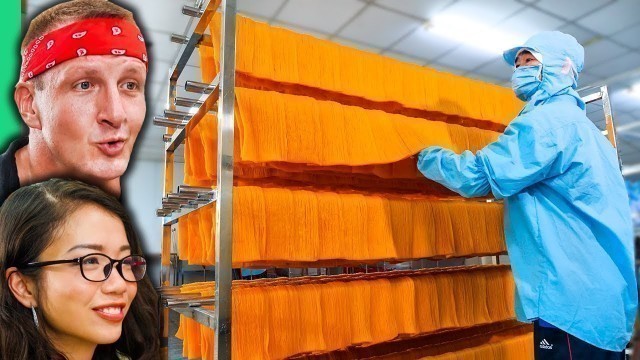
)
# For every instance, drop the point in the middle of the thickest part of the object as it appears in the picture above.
(459, 173)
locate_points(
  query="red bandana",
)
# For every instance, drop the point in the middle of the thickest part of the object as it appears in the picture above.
(103, 36)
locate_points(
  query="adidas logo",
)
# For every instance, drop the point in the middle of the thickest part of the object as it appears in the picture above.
(544, 344)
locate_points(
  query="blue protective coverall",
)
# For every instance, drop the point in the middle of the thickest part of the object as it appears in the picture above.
(567, 217)
(252, 272)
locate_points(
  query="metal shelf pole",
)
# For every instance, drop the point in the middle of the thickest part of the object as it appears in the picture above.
(610, 129)
(608, 116)
(193, 36)
(224, 210)
(165, 258)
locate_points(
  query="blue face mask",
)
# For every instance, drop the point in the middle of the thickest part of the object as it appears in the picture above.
(525, 81)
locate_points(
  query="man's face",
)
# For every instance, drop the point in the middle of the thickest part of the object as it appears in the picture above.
(91, 110)
(525, 58)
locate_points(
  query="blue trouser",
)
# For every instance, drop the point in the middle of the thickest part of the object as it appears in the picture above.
(551, 343)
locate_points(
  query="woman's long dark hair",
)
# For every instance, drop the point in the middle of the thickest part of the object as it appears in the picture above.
(29, 220)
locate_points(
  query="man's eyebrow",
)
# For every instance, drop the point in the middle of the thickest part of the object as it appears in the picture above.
(84, 71)
(87, 70)
(133, 70)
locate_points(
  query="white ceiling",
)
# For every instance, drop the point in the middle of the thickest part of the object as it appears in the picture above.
(608, 29)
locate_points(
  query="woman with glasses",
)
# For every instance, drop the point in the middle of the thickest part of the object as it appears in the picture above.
(74, 284)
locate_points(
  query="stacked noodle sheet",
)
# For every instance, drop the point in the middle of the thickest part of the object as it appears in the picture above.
(295, 133)
(500, 340)
(286, 61)
(284, 227)
(279, 318)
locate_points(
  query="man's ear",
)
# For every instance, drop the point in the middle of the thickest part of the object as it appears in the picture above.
(24, 96)
(22, 287)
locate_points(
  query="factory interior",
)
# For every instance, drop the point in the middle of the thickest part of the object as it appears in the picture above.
(282, 154)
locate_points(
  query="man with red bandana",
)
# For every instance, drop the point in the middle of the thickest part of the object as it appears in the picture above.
(81, 95)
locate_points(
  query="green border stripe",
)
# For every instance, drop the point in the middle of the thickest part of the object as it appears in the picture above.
(10, 18)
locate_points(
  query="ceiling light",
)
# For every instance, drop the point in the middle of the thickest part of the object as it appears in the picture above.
(627, 127)
(634, 90)
(473, 33)
(630, 170)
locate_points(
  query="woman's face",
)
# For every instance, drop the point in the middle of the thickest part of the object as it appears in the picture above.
(77, 311)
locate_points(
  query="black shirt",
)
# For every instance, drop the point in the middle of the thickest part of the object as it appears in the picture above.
(9, 181)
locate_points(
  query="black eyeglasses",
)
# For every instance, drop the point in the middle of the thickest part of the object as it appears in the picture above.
(97, 267)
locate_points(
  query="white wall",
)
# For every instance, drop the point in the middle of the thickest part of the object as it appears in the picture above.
(142, 192)
(143, 195)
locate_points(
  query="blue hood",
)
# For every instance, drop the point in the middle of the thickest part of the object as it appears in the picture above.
(562, 60)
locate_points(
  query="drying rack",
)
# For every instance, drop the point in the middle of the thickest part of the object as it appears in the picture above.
(180, 200)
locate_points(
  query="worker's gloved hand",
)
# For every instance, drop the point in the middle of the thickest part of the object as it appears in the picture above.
(424, 154)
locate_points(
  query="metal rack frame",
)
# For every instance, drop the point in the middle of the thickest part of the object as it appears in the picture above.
(602, 93)
(186, 199)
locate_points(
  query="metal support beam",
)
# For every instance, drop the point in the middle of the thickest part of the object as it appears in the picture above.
(596, 93)
(198, 87)
(224, 210)
(186, 102)
(187, 199)
(177, 115)
(179, 39)
(192, 11)
(205, 40)
(167, 188)
(202, 316)
(167, 122)
(608, 116)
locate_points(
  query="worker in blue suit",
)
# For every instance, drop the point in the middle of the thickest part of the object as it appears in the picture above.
(567, 218)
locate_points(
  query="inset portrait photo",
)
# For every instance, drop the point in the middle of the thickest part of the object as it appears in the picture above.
(81, 95)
